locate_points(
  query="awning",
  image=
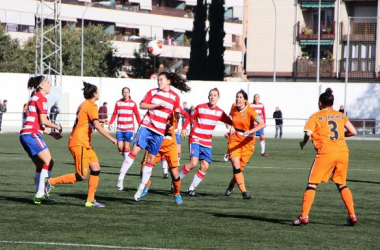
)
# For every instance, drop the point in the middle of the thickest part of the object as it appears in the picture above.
(316, 4)
(315, 42)
(127, 25)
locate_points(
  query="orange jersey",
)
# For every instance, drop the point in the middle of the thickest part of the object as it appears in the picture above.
(243, 121)
(327, 131)
(82, 130)
(169, 137)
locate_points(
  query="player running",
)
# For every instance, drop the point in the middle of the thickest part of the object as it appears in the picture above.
(327, 130)
(31, 135)
(241, 141)
(80, 147)
(160, 103)
(260, 109)
(206, 117)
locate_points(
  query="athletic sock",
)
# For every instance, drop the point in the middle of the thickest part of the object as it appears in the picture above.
(41, 184)
(126, 165)
(184, 172)
(262, 145)
(177, 186)
(198, 177)
(93, 183)
(240, 181)
(148, 183)
(232, 182)
(348, 200)
(63, 179)
(146, 173)
(307, 202)
(37, 180)
(164, 165)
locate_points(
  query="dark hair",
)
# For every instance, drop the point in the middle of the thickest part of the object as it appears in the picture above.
(34, 82)
(89, 90)
(327, 98)
(176, 81)
(214, 89)
(122, 90)
(245, 95)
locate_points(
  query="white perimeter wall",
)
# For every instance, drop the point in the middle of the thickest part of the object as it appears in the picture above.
(296, 100)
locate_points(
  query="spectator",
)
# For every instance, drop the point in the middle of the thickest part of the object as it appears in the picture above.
(54, 111)
(341, 109)
(278, 116)
(3, 109)
(184, 106)
(103, 114)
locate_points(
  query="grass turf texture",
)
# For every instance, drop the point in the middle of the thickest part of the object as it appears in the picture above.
(212, 221)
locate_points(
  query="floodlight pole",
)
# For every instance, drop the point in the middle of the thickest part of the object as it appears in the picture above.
(319, 40)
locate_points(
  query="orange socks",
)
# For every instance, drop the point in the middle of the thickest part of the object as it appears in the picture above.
(308, 199)
(63, 179)
(348, 200)
(239, 177)
(92, 186)
(177, 186)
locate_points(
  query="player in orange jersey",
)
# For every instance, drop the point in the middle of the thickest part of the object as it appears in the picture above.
(327, 130)
(241, 141)
(80, 146)
(168, 150)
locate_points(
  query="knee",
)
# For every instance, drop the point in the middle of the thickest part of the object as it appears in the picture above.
(311, 186)
(341, 187)
(95, 173)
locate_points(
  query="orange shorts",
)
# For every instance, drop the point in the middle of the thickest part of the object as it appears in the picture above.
(82, 158)
(241, 150)
(170, 153)
(326, 164)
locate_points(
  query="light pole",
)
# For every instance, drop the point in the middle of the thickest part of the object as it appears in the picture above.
(319, 41)
(82, 39)
(274, 40)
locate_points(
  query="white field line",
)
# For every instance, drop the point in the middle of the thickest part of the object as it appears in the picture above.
(78, 245)
(282, 168)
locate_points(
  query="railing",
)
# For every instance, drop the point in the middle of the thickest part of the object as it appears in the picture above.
(12, 27)
(309, 30)
(360, 30)
(308, 68)
(316, 1)
(359, 68)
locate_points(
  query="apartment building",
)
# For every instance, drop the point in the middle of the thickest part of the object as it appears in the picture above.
(297, 40)
(170, 21)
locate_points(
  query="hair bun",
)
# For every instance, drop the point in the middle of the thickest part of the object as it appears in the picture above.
(329, 91)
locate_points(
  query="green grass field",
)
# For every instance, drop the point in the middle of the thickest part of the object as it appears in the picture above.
(212, 221)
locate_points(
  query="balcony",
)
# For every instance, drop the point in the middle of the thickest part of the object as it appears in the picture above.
(359, 68)
(359, 0)
(309, 31)
(360, 30)
(308, 68)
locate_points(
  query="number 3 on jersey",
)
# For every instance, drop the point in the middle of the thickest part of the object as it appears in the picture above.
(333, 129)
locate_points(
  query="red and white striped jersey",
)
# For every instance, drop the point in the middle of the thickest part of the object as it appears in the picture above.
(205, 120)
(37, 105)
(260, 110)
(156, 119)
(124, 111)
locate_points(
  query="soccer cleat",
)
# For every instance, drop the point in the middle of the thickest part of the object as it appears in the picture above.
(120, 185)
(48, 187)
(225, 158)
(138, 194)
(165, 176)
(145, 191)
(264, 155)
(192, 193)
(38, 200)
(229, 191)
(47, 201)
(351, 221)
(178, 199)
(94, 204)
(246, 195)
(301, 221)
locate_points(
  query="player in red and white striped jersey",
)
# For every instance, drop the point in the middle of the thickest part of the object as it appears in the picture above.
(206, 117)
(260, 110)
(31, 134)
(124, 111)
(160, 103)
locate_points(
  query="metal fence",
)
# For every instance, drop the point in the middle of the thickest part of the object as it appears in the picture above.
(292, 127)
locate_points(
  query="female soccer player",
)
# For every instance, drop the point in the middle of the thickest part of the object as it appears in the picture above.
(85, 158)
(160, 103)
(327, 130)
(241, 140)
(205, 117)
(30, 135)
(124, 110)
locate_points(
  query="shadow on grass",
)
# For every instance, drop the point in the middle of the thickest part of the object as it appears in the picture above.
(361, 181)
(253, 217)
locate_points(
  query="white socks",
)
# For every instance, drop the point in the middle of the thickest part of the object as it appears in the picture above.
(198, 177)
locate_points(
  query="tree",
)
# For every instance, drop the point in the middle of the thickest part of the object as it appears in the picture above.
(198, 52)
(143, 65)
(215, 43)
(12, 57)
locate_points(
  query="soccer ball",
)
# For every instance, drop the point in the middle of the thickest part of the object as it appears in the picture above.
(155, 48)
